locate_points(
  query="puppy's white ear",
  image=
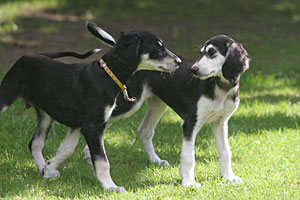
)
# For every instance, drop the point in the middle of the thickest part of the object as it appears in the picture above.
(100, 34)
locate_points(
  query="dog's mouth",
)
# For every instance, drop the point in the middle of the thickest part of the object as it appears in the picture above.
(163, 69)
(203, 76)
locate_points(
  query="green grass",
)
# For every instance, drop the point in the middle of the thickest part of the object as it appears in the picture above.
(264, 132)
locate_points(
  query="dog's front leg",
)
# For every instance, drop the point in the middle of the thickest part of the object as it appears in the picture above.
(93, 134)
(220, 132)
(187, 161)
(146, 130)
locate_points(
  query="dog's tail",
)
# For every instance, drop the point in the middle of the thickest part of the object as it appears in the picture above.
(104, 37)
(70, 53)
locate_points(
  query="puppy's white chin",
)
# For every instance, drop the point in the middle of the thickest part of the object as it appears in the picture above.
(203, 77)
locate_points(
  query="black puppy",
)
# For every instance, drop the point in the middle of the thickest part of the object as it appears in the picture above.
(81, 96)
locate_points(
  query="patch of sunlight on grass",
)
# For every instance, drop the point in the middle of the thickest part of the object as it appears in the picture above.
(275, 93)
(265, 81)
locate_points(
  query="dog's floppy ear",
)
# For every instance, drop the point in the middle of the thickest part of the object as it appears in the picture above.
(100, 34)
(128, 48)
(236, 61)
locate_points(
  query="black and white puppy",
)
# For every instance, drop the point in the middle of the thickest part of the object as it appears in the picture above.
(82, 96)
(206, 92)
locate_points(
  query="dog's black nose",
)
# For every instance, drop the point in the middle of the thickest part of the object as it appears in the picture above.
(194, 69)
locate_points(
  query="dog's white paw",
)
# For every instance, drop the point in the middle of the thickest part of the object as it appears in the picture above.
(50, 173)
(233, 179)
(163, 163)
(191, 184)
(159, 162)
(116, 189)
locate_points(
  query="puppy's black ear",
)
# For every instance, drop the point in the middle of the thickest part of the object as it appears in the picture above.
(128, 48)
(100, 34)
(236, 62)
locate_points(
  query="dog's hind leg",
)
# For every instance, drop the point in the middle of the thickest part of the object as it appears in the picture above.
(146, 130)
(36, 145)
(220, 132)
(65, 150)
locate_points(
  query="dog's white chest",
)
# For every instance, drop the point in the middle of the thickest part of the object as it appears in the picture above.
(221, 107)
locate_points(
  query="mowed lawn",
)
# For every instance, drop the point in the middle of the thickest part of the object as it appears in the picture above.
(264, 132)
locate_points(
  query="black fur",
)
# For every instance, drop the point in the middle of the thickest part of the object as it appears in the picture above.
(70, 53)
(234, 65)
(77, 94)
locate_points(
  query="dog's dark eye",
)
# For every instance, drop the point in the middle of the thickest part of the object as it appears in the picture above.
(157, 53)
(160, 49)
(211, 52)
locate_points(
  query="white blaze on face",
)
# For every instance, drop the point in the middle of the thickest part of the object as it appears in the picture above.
(210, 66)
(202, 49)
(159, 43)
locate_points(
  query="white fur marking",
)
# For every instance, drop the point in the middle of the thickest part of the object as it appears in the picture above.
(65, 150)
(146, 63)
(159, 43)
(202, 49)
(209, 47)
(155, 109)
(211, 110)
(220, 132)
(108, 110)
(38, 142)
(187, 161)
(106, 35)
(36, 151)
(102, 173)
